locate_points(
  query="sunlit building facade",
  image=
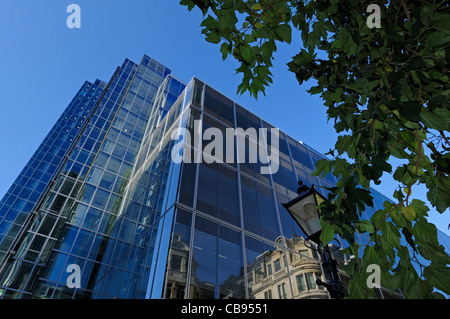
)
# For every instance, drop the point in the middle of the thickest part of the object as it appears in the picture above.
(141, 224)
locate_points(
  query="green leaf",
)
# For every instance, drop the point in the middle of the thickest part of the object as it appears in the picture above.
(303, 58)
(378, 217)
(439, 119)
(267, 49)
(408, 212)
(402, 175)
(227, 20)
(246, 53)
(388, 250)
(438, 276)
(259, 25)
(249, 38)
(410, 111)
(256, 7)
(344, 42)
(433, 253)
(364, 226)
(406, 278)
(315, 90)
(189, 3)
(363, 86)
(440, 21)
(425, 232)
(364, 196)
(390, 233)
(225, 49)
(439, 198)
(420, 208)
(209, 23)
(398, 218)
(322, 168)
(212, 37)
(284, 32)
(358, 288)
(327, 233)
(371, 256)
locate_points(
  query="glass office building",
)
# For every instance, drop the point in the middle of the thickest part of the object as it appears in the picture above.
(139, 222)
(31, 183)
(77, 179)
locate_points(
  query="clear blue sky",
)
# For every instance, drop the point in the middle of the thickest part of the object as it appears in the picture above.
(43, 63)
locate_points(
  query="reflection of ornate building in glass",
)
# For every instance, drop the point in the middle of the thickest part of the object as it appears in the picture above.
(107, 197)
(177, 264)
(268, 275)
(271, 276)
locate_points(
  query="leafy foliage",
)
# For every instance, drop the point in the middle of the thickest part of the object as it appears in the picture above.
(387, 91)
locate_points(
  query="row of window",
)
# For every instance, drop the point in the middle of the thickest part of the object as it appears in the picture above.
(305, 282)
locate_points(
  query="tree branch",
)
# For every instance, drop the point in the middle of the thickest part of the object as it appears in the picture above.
(408, 16)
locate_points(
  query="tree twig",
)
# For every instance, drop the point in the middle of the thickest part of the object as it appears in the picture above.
(405, 7)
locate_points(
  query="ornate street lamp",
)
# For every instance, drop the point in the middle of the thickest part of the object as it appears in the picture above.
(304, 210)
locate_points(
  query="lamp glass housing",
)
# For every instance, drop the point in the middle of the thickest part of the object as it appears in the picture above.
(303, 210)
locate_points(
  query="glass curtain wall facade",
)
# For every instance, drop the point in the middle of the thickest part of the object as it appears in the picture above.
(231, 236)
(141, 223)
(32, 182)
(76, 220)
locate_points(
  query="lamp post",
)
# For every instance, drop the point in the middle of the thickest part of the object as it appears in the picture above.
(304, 210)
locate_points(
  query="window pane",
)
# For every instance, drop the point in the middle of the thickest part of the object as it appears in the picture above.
(212, 103)
(268, 213)
(100, 198)
(282, 291)
(252, 220)
(198, 91)
(230, 264)
(86, 193)
(78, 215)
(310, 280)
(175, 282)
(113, 165)
(277, 265)
(188, 184)
(204, 274)
(301, 284)
(228, 196)
(92, 219)
(207, 189)
(107, 180)
(67, 186)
